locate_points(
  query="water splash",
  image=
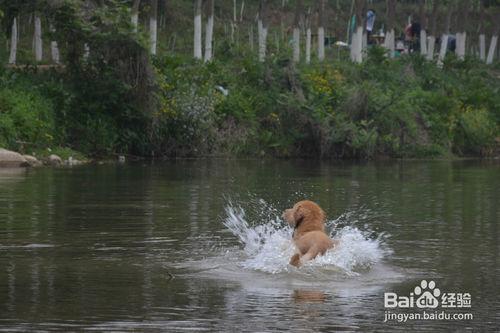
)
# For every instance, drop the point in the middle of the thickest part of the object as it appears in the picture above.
(268, 246)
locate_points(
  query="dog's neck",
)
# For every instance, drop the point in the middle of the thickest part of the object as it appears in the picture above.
(297, 225)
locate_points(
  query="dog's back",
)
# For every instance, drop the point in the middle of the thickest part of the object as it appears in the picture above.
(309, 236)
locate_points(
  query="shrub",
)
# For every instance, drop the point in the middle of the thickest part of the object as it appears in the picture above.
(476, 132)
(404, 107)
(26, 119)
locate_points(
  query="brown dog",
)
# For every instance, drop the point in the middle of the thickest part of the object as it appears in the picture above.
(308, 221)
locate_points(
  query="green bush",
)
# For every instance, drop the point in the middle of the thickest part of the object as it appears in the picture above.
(26, 119)
(405, 107)
(476, 132)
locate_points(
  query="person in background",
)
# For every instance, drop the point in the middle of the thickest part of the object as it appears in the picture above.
(412, 36)
(370, 23)
(452, 43)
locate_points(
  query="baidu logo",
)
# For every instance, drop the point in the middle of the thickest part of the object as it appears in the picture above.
(427, 296)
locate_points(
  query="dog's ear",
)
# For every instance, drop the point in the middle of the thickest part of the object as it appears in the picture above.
(298, 215)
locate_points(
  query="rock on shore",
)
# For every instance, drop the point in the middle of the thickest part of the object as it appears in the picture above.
(11, 159)
(32, 161)
(54, 160)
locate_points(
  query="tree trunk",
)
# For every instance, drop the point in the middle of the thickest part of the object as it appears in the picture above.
(357, 45)
(423, 27)
(13, 42)
(357, 36)
(308, 45)
(389, 42)
(234, 10)
(241, 10)
(444, 46)
(423, 42)
(482, 37)
(390, 34)
(430, 48)
(135, 14)
(296, 44)
(153, 26)
(460, 44)
(491, 51)
(482, 47)
(321, 31)
(209, 31)
(364, 34)
(233, 22)
(38, 39)
(444, 39)
(432, 37)
(262, 30)
(307, 23)
(54, 49)
(461, 36)
(197, 29)
(296, 31)
(250, 37)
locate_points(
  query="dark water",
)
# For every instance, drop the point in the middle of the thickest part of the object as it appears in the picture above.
(145, 248)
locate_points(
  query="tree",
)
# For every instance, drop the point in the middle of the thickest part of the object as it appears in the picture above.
(262, 30)
(308, 36)
(364, 36)
(38, 38)
(197, 29)
(494, 41)
(135, 14)
(390, 34)
(423, 27)
(13, 42)
(357, 36)
(432, 37)
(296, 31)
(153, 26)
(321, 30)
(234, 20)
(54, 49)
(444, 37)
(250, 37)
(482, 38)
(461, 34)
(209, 30)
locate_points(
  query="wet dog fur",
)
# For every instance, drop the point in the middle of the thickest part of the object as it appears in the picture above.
(308, 221)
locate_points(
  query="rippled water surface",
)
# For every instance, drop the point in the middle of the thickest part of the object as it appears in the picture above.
(199, 245)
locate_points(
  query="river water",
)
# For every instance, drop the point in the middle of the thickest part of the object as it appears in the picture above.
(199, 245)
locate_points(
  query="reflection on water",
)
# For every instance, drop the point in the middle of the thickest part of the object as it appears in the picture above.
(93, 247)
(308, 296)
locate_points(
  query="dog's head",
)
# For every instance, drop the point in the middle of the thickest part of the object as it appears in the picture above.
(305, 213)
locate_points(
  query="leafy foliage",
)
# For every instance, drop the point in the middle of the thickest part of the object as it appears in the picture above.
(119, 99)
(26, 117)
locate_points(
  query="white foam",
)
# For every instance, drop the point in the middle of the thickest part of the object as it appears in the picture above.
(268, 246)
